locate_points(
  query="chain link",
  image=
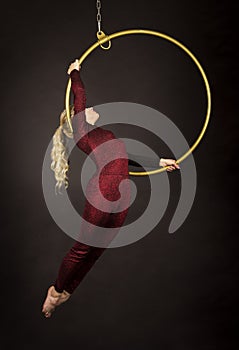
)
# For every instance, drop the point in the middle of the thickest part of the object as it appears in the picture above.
(98, 16)
(100, 34)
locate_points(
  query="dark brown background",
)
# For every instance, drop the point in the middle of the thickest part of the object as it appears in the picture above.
(165, 291)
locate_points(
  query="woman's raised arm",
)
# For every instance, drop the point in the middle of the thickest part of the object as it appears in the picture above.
(78, 91)
(80, 127)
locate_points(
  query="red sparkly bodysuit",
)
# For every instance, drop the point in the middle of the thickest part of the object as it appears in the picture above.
(111, 159)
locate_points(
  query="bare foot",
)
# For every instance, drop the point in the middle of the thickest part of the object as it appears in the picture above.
(53, 299)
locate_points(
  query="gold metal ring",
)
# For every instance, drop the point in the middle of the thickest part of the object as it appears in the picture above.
(181, 46)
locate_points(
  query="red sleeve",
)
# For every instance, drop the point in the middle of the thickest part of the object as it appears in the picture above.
(79, 124)
(78, 91)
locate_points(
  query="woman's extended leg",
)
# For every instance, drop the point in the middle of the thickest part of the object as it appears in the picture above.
(81, 257)
(116, 220)
(113, 222)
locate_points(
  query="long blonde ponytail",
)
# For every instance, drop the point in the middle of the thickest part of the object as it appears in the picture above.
(59, 152)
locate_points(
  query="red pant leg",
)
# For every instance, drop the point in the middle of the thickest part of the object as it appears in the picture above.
(92, 256)
(81, 257)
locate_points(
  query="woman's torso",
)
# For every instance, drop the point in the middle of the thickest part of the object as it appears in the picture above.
(108, 152)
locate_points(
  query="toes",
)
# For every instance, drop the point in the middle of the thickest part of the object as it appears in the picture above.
(46, 313)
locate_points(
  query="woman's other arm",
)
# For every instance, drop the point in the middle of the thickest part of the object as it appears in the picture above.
(143, 161)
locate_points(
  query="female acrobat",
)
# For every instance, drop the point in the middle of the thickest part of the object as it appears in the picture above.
(105, 182)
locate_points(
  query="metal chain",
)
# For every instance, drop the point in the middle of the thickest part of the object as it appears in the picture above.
(98, 16)
(100, 34)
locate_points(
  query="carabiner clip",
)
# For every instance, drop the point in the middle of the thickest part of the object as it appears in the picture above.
(101, 35)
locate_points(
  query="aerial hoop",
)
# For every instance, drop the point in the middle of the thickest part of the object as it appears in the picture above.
(102, 38)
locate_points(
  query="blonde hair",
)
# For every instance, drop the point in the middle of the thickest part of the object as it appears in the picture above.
(59, 152)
